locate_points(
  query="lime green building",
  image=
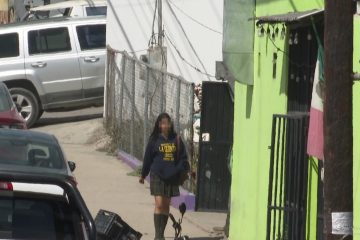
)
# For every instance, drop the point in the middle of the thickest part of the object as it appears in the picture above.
(270, 49)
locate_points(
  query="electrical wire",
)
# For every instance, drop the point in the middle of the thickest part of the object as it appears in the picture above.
(186, 61)
(188, 40)
(194, 20)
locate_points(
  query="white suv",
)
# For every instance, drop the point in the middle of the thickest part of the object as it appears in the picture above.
(54, 64)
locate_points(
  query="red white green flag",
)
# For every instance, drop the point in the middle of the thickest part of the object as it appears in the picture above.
(315, 144)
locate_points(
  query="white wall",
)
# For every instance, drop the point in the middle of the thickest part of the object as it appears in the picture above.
(129, 28)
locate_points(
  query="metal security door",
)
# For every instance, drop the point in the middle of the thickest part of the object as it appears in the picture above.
(288, 178)
(216, 140)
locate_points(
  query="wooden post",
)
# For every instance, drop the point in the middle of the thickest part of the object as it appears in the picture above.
(338, 130)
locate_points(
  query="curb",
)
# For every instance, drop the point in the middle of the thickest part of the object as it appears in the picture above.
(185, 196)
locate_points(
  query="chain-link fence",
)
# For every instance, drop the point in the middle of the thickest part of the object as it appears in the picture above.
(135, 94)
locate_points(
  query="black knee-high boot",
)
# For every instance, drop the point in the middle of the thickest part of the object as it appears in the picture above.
(157, 225)
(164, 220)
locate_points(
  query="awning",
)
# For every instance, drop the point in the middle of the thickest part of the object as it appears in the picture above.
(291, 17)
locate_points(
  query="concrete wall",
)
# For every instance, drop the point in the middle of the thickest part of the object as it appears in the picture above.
(129, 28)
(254, 107)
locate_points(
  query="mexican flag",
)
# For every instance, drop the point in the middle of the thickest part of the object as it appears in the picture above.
(315, 144)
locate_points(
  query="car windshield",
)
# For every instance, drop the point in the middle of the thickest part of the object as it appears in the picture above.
(5, 104)
(19, 154)
(38, 217)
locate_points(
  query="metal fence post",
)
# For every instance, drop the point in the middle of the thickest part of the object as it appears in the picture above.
(146, 109)
(106, 87)
(178, 101)
(133, 106)
(191, 118)
(124, 58)
(113, 92)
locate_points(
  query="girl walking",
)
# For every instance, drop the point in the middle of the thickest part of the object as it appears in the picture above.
(166, 161)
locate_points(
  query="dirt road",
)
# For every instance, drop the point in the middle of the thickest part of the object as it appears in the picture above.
(103, 180)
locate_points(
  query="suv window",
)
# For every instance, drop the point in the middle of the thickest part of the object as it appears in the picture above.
(96, 11)
(9, 46)
(38, 218)
(49, 40)
(92, 36)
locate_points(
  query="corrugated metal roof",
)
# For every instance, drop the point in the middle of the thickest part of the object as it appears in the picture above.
(288, 17)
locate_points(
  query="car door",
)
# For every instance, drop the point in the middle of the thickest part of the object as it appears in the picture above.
(92, 52)
(52, 60)
(11, 56)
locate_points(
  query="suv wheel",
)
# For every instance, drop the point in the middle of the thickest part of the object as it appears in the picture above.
(27, 104)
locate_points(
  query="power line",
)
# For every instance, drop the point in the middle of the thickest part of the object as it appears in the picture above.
(193, 19)
(153, 38)
(187, 38)
(186, 61)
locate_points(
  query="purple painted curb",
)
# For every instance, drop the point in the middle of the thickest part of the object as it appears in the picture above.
(185, 196)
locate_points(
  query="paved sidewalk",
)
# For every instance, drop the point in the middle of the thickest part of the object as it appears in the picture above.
(104, 184)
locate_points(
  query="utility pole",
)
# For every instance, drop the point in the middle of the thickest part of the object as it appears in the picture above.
(160, 24)
(338, 130)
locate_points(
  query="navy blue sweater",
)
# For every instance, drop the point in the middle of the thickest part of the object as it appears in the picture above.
(163, 159)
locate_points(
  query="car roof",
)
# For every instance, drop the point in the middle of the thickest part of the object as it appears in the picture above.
(50, 21)
(68, 4)
(31, 136)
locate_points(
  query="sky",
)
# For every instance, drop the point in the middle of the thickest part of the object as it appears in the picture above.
(129, 28)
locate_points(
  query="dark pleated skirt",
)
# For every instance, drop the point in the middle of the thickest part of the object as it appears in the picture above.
(159, 187)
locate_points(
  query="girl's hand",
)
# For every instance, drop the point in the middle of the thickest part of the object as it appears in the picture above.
(141, 180)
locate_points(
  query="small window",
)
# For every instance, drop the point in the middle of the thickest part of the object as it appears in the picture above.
(92, 36)
(96, 11)
(9, 46)
(49, 41)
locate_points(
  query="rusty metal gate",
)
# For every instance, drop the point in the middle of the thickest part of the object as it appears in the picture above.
(213, 186)
(288, 177)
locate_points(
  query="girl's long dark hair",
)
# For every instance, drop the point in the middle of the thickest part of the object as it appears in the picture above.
(156, 131)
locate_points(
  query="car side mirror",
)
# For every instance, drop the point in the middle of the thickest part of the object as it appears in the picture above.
(72, 166)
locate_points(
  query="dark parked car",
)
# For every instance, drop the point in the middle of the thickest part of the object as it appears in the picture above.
(42, 206)
(39, 198)
(9, 115)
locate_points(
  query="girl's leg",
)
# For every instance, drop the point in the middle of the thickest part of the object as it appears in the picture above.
(162, 205)
(161, 215)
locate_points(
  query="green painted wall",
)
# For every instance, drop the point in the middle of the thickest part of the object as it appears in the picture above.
(311, 217)
(254, 107)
